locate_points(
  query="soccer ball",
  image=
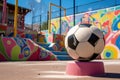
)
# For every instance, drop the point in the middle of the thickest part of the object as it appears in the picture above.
(84, 42)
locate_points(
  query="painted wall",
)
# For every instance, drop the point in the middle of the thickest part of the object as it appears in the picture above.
(108, 20)
(22, 49)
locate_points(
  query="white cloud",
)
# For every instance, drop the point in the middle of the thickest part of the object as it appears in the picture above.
(38, 1)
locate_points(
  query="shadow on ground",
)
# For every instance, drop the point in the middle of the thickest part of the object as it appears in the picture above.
(109, 75)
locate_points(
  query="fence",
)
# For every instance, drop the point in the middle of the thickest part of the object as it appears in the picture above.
(98, 4)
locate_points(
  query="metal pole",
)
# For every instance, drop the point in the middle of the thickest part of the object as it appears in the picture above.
(40, 23)
(74, 12)
(32, 15)
(15, 18)
(47, 19)
(60, 16)
(32, 20)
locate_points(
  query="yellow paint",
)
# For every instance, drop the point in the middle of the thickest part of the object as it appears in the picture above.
(56, 24)
(119, 25)
(110, 16)
(8, 42)
(96, 16)
(103, 19)
(1, 4)
(15, 18)
(111, 48)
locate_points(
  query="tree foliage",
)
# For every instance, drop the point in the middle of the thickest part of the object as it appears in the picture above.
(44, 26)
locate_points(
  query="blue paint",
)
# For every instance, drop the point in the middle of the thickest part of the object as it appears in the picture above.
(118, 42)
(115, 23)
(108, 54)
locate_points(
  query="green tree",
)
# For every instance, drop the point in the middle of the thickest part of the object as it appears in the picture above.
(44, 26)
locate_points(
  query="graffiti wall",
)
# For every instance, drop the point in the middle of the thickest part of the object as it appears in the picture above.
(22, 49)
(108, 20)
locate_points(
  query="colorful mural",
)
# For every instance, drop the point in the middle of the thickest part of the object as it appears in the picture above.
(108, 20)
(22, 49)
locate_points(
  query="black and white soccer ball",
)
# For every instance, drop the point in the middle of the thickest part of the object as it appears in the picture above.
(84, 42)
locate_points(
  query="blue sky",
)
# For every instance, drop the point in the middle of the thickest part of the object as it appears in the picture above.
(45, 4)
(42, 6)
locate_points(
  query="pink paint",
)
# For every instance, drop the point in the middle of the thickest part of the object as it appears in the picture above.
(117, 12)
(9, 43)
(67, 19)
(113, 39)
(35, 55)
(21, 56)
(109, 37)
(85, 68)
(31, 44)
(2, 58)
(50, 38)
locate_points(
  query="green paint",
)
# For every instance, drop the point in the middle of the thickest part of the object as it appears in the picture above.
(112, 55)
(71, 23)
(103, 11)
(104, 18)
(15, 53)
(52, 57)
(117, 8)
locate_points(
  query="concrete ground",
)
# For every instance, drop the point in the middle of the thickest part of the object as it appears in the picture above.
(52, 70)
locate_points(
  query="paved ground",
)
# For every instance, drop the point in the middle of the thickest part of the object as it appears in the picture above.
(52, 70)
